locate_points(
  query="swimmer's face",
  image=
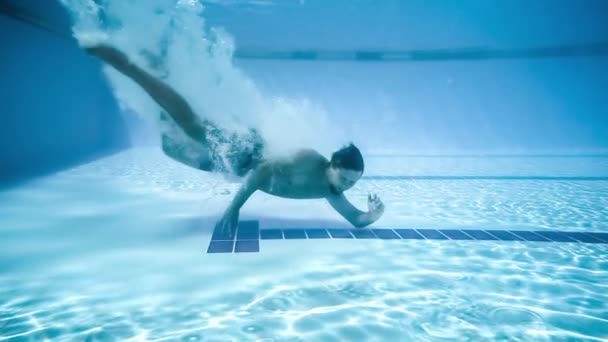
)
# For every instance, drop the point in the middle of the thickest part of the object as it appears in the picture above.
(342, 179)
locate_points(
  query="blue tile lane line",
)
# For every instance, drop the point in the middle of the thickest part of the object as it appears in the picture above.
(340, 233)
(554, 236)
(247, 246)
(220, 247)
(529, 236)
(582, 237)
(271, 234)
(479, 234)
(294, 233)
(502, 178)
(432, 234)
(504, 235)
(600, 236)
(386, 234)
(247, 237)
(455, 234)
(363, 234)
(317, 234)
(409, 234)
(248, 230)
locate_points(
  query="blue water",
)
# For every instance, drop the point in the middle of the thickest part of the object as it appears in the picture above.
(116, 250)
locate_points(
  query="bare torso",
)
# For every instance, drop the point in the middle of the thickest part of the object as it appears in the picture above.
(299, 177)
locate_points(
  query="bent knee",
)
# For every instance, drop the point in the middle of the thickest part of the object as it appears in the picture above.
(191, 155)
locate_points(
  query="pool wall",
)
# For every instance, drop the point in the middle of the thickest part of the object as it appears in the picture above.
(57, 109)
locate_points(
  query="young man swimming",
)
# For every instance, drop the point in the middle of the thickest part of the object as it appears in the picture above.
(305, 175)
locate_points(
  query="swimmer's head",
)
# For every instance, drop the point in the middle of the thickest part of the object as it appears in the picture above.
(345, 168)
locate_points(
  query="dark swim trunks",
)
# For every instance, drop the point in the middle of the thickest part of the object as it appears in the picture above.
(221, 151)
(233, 153)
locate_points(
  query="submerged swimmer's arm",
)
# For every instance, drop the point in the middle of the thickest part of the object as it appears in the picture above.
(161, 93)
(355, 216)
(252, 183)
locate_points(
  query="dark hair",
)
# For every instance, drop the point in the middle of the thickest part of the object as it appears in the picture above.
(349, 158)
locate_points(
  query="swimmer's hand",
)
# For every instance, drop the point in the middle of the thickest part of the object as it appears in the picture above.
(227, 224)
(356, 217)
(375, 207)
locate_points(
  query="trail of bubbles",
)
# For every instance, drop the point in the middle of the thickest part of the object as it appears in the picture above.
(171, 41)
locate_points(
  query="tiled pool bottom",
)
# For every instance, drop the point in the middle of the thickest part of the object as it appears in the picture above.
(246, 238)
(117, 251)
(299, 290)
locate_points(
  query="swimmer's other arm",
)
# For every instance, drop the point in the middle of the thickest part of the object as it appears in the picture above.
(355, 216)
(261, 176)
(230, 219)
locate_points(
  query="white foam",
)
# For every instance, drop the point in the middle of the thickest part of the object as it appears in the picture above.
(197, 61)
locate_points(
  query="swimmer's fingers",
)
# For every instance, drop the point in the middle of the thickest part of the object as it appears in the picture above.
(376, 203)
(227, 224)
(379, 204)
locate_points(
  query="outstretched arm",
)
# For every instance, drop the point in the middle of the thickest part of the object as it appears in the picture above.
(355, 216)
(161, 93)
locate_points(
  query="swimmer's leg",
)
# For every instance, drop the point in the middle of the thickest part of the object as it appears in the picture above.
(193, 156)
(181, 148)
(166, 97)
(203, 132)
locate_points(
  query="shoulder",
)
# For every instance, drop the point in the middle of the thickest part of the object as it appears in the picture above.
(310, 155)
(306, 161)
(298, 157)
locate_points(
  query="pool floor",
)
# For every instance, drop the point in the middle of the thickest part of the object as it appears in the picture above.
(117, 250)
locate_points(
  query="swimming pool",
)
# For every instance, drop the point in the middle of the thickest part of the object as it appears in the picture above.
(484, 133)
(116, 250)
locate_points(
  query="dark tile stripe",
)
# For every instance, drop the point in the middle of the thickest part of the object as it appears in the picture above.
(219, 235)
(220, 247)
(294, 234)
(271, 234)
(501, 178)
(432, 234)
(340, 233)
(582, 237)
(423, 55)
(601, 236)
(247, 246)
(409, 234)
(248, 230)
(479, 234)
(248, 235)
(554, 236)
(529, 236)
(504, 235)
(454, 234)
(386, 234)
(317, 234)
(363, 233)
